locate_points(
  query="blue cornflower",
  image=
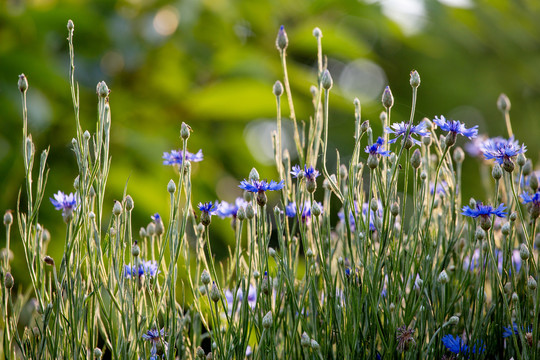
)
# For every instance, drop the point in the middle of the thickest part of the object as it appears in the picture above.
(175, 157)
(291, 210)
(260, 187)
(377, 148)
(66, 203)
(226, 209)
(155, 337)
(507, 332)
(455, 127)
(442, 187)
(503, 151)
(400, 129)
(533, 202)
(309, 173)
(475, 146)
(456, 345)
(484, 212)
(251, 298)
(207, 210)
(146, 268)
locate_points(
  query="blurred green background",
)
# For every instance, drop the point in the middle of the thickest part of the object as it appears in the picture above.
(212, 64)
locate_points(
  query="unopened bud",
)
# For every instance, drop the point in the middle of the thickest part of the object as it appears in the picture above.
(8, 281)
(503, 103)
(394, 209)
(415, 79)
(326, 80)
(241, 214)
(171, 187)
(524, 252)
(117, 208)
(513, 216)
(387, 98)
(200, 353)
(373, 161)
(97, 351)
(317, 33)
(497, 172)
(271, 252)
(254, 175)
(515, 297)
(426, 140)
(282, 41)
(278, 88)
(8, 218)
(142, 233)
(365, 126)
(205, 277)
(70, 25)
(214, 293)
(48, 260)
(505, 229)
(527, 168)
(521, 160)
(480, 234)
(316, 209)
(531, 283)
(267, 320)
(443, 277)
(135, 250)
(129, 203)
(102, 89)
(453, 320)
(250, 212)
(533, 182)
(314, 345)
(374, 205)
(343, 172)
(305, 341)
(459, 155)
(185, 131)
(22, 83)
(416, 159)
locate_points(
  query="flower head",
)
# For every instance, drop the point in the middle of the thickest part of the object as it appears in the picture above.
(146, 268)
(175, 157)
(291, 210)
(155, 336)
(251, 298)
(226, 209)
(66, 203)
(503, 151)
(400, 129)
(309, 173)
(457, 346)
(531, 199)
(456, 127)
(484, 210)
(256, 186)
(442, 188)
(207, 210)
(377, 148)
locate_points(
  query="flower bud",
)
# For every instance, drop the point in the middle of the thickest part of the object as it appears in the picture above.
(91, 192)
(102, 89)
(135, 250)
(505, 229)
(415, 79)
(22, 83)
(383, 117)
(314, 345)
(423, 176)
(267, 320)
(453, 320)
(271, 252)
(309, 253)
(142, 233)
(171, 187)
(374, 205)
(515, 297)
(450, 139)
(443, 277)
(513, 216)
(254, 175)
(508, 165)
(256, 274)
(215, 295)
(524, 252)
(317, 33)
(265, 284)
(387, 98)
(416, 159)
(278, 88)
(472, 203)
(326, 80)
(521, 160)
(282, 41)
(485, 222)
(533, 182)
(205, 277)
(117, 208)
(97, 351)
(373, 161)
(129, 203)
(497, 172)
(316, 209)
(48, 260)
(200, 353)
(185, 131)
(241, 214)
(503, 103)
(305, 341)
(70, 25)
(480, 234)
(459, 155)
(343, 173)
(394, 209)
(261, 198)
(365, 126)
(250, 212)
(531, 283)
(426, 140)
(8, 218)
(8, 281)
(210, 356)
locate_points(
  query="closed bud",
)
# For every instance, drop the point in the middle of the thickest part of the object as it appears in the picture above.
(250, 212)
(200, 353)
(485, 222)
(533, 182)
(480, 234)
(185, 131)
(142, 233)
(271, 252)
(248, 196)
(309, 253)
(387, 98)
(415, 79)
(326, 80)
(278, 88)
(215, 295)
(426, 140)
(394, 209)
(241, 214)
(531, 283)
(317, 33)
(343, 172)
(524, 252)
(102, 89)
(210, 356)
(527, 168)
(416, 159)
(281, 40)
(508, 287)
(91, 192)
(423, 176)
(497, 172)
(305, 341)
(71, 27)
(443, 277)
(205, 277)
(505, 229)
(508, 165)
(316, 209)
(450, 139)
(48, 260)
(521, 160)
(171, 187)
(374, 205)
(256, 274)
(503, 103)
(8, 218)
(373, 161)
(8, 281)
(513, 217)
(129, 203)
(254, 175)
(135, 250)
(267, 320)
(22, 83)
(515, 297)
(472, 203)
(261, 198)
(117, 208)
(453, 320)
(97, 351)
(459, 155)
(365, 126)
(314, 345)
